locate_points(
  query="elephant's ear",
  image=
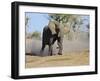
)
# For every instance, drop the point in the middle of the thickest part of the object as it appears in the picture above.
(61, 32)
(51, 26)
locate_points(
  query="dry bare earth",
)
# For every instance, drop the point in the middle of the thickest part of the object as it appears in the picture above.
(68, 59)
(74, 53)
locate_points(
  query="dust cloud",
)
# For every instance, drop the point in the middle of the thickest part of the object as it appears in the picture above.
(33, 46)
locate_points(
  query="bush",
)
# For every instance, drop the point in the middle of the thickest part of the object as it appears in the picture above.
(36, 35)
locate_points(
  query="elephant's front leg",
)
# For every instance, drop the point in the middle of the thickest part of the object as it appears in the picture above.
(59, 42)
(50, 50)
(50, 47)
(42, 49)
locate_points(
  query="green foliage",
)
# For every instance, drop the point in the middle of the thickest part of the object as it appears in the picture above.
(71, 20)
(36, 35)
(63, 18)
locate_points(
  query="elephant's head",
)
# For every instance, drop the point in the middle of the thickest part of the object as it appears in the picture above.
(54, 26)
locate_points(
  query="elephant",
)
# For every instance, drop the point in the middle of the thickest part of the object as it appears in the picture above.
(51, 33)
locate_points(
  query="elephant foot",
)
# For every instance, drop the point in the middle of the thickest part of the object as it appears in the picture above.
(50, 54)
(59, 53)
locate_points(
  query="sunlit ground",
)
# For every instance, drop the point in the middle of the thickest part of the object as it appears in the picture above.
(67, 59)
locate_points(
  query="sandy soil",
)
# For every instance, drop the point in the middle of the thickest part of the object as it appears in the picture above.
(75, 53)
(67, 59)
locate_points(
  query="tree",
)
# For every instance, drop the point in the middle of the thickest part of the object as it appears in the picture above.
(26, 21)
(70, 21)
(36, 35)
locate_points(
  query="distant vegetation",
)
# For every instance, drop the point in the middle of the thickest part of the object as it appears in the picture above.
(71, 22)
(36, 35)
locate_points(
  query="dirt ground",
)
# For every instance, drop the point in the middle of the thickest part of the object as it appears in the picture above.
(75, 53)
(67, 59)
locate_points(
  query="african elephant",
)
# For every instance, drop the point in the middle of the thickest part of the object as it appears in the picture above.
(51, 33)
